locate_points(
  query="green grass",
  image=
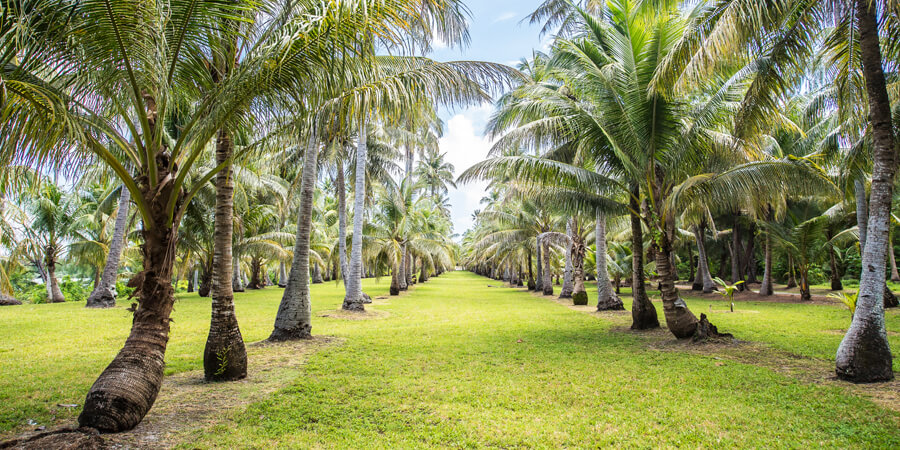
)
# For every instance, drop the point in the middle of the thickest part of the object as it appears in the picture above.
(460, 364)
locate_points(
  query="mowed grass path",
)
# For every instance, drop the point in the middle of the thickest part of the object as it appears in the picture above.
(458, 363)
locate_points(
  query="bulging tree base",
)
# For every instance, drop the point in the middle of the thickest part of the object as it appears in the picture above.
(284, 335)
(532, 286)
(580, 298)
(611, 303)
(706, 331)
(890, 300)
(8, 301)
(101, 298)
(225, 356)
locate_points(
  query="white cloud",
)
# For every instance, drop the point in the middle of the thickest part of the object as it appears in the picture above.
(504, 17)
(464, 144)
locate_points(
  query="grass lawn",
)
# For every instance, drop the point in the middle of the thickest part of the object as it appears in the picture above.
(456, 363)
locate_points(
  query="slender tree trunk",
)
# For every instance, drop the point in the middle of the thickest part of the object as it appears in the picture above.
(192, 286)
(353, 300)
(862, 221)
(864, 354)
(531, 284)
(539, 284)
(607, 300)
(54, 293)
(792, 280)
(643, 313)
(736, 273)
(895, 276)
(423, 273)
(294, 314)
(766, 288)
(548, 283)
(317, 274)
(836, 284)
(679, 319)
(282, 275)
(237, 278)
(225, 357)
(205, 282)
(692, 275)
(750, 255)
(395, 279)
(342, 221)
(579, 295)
(703, 279)
(104, 294)
(401, 275)
(805, 294)
(567, 285)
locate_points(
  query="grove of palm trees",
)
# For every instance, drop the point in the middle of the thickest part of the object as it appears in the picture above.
(363, 224)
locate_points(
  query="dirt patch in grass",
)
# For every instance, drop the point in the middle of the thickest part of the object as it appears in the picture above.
(368, 314)
(753, 296)
(725, 351)
(187, 402)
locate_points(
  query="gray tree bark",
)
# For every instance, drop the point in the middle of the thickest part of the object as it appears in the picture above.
(704, 279)
(548, 283)
(293, 320)
(606, 294)
(104, 294)
(353, 300)
(568, 286)
(341, 188)
(539, 283)
(864, 354)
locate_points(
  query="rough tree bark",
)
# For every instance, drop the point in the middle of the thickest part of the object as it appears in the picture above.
(54, 293)
(293, 320)
(224, 357)
(104, 294)
(643, 313)
(607, 300)
(127, 388)
(340, 186)
(539, 262)
(766, 288)
(548, 283)
(567, 288)
(353, 300)
(864, 354)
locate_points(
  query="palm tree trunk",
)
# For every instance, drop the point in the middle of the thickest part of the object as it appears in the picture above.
(317, 274)
(864, 354)
(531, 284)
(104, 294)
(862, 222)
(282, 275)
(293, 320)
(395, 278)
(401, 275)
(750, 255)
(805, 294)
(224, 357)
(766, 288)
(353, 300)
(567, 286)
(195, 280)
(736, 273)
(342, 220)
(539, 284)
(237, 278)
(679, 319)
(54, 293)
(607, 299)
(548, 283)
(643, 313)
(895, 276)
(127, 388)
(836, 284)
(579, 295)
(704, 279)
(205, 281)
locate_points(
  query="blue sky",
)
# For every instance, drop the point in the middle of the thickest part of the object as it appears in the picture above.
(498, 35)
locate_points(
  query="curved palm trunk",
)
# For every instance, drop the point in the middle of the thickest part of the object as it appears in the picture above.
(293, 320)
(539, 284)
(643, 313)
(864, 354)
(54, 293)
(342, 220)
(607, 299)
(353, 300)
(703, 281)
(224, 357)
(127, 388)
(679, 319)
(895, 276)
(548, 283)
(104, 294)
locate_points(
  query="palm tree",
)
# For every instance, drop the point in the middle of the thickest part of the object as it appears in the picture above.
(104, 293)
(53, 215)
(434, 174)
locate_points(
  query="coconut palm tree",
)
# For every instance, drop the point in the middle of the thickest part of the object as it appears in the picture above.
(52, 213)
(434, 174)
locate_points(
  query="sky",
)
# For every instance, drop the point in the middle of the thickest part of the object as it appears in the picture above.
(499, 35)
